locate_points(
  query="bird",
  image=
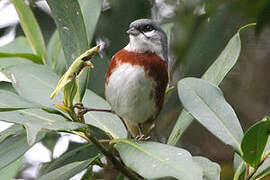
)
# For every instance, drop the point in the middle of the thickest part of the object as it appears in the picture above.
(137, 77)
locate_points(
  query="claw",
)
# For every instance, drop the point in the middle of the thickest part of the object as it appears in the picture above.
(79, 106)
(142, 137)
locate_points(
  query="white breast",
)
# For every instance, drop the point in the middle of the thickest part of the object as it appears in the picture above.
(131, 93)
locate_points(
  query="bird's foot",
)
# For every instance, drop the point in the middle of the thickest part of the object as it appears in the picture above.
(142, 137)
(81, 109)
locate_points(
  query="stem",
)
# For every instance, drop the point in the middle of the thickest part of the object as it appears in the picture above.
(238, 172)
(247, 172)
(119, 166)
(263, 159)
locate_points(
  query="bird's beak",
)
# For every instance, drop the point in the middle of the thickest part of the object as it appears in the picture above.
(133, 31)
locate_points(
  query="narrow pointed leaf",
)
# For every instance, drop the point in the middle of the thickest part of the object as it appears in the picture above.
(13, 147)
(254, 142)
(91, 10)
(211, 170)
(215, 74)
(155, 160)
(10, 171)
(30, 28)
(12, 130)
(68, 171)
(85, 151)
(69, 21)
(206, 103)
(54, 49)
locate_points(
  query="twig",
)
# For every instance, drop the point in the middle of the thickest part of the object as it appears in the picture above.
(123, 169)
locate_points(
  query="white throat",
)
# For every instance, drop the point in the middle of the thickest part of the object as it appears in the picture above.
(139, 44)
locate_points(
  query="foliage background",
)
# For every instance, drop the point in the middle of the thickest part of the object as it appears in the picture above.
(201, 29)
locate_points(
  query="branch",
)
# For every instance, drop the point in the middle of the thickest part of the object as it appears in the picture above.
(118, 165)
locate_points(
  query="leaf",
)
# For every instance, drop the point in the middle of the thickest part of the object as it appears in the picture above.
(211, 170)
(19, 45)
(30, 28)
(34, 120)
(206, 103)
(76, 68)
(85, 151)
(35, 83)
(254, 142)
(11, 170)
(6, 63)
(19, 48)
(108, 122)
(68, 171)
(12, 148)
(12, 130)
(91, 10)
(215, 74)
(155, 160)
(238, 164)
(69, 21)
(224, 63)
(54, 52)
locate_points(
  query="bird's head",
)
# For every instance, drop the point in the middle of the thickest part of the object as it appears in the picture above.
(147, 35)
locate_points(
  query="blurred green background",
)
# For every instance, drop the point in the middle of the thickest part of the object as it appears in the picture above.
(200, 30)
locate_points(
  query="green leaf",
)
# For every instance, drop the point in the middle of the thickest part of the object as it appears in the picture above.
(6, 63)
(11, 170)
(238, 164)
(19, 48)
(215, 74)
(108, 122)
(35, 83)
(12, 130)
(30, 28)
(12, 148)
(31, 57)
(206, 103)
(85, 151)
(224, 63)
(155, 160)
(211, 170)
(55, 58)
(69, 21)
(34, 120)
(19, 45)
(254, 142)
(68, 171)
(91, 10)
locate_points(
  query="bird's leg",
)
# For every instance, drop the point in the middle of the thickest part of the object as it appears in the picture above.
(83, 110)
(141, 136)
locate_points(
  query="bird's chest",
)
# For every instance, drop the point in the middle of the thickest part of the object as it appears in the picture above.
(129, 85)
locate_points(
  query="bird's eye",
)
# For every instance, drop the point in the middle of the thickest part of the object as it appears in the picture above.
(147, 28)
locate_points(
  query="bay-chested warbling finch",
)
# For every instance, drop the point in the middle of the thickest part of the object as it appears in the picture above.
(137, 77)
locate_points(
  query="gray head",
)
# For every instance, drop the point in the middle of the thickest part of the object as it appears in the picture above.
(147, 35)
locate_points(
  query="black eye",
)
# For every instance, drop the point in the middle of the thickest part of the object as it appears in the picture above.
(147, 28)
